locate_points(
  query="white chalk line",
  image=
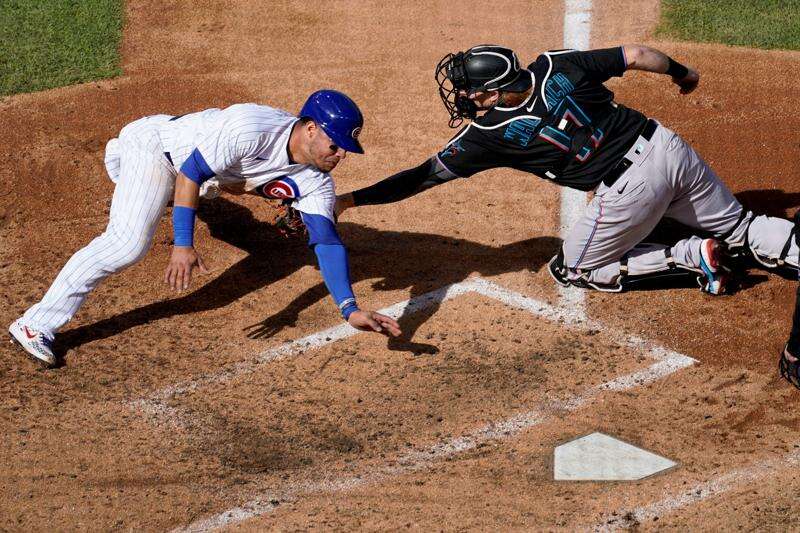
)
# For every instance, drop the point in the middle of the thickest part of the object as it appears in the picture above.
(422, 459)
(577, 34)
(154, 402)
(666, 363)
(161, 413)
(627, 518)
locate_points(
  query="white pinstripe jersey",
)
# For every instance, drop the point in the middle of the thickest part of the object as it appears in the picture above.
(248, 142)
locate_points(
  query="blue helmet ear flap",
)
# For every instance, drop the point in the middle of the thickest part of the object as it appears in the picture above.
(338, 116)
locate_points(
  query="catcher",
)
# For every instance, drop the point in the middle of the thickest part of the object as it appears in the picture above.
(557, 120)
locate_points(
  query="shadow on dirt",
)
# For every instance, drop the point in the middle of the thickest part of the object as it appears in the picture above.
(418, 261)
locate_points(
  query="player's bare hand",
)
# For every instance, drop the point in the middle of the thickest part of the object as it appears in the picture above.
(179, 270)
(689, 82)
(372, 321)
(343, 203)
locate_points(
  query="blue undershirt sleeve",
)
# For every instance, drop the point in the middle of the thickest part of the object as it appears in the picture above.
(195, 168)
(332, 259)
(335, 269)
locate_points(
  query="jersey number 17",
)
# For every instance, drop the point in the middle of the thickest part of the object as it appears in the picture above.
(569, 112)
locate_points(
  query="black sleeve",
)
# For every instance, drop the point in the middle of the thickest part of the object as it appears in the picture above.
(404, 184)
(470, 152)
(794, 336)
(599, 65)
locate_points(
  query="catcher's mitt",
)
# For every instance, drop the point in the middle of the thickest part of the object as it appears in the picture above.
(790, 370)
(289, 223)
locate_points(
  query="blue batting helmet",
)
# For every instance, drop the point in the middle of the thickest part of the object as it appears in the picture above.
(338, 116)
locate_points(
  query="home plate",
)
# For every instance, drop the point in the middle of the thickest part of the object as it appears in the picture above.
(598, 457)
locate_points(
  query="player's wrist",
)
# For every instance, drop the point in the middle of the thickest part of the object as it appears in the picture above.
(183, 219)
(675, 69)
(348, 307)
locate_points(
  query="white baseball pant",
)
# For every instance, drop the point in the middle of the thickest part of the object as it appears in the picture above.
(145, 181)
(669, 179)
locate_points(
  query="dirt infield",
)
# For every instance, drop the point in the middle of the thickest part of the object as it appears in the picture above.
(437, 430)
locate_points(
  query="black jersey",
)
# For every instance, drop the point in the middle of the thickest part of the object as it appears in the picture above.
(569, 130)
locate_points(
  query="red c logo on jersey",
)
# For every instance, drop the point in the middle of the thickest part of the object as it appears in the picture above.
(278, 189)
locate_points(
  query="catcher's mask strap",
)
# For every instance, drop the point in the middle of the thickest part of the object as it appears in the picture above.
(457, 72)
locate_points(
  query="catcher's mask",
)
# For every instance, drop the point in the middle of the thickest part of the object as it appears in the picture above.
(481, 68)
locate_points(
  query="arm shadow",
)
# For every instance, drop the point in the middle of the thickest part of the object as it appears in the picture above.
(418, 262)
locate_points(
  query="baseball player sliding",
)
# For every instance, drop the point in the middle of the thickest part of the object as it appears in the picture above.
(557, 120)
(265, 151)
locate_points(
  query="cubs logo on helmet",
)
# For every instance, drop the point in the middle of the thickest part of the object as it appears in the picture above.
(280, 189)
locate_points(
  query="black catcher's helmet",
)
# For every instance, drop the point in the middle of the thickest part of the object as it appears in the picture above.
(487, 67)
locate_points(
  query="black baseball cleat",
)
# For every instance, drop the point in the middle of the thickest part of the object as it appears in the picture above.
(557, 270)
(789, 368)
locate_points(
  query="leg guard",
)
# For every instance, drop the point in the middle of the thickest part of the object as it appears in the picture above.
(674, 274)
(657, 269)
(577, 277)
(772, 242)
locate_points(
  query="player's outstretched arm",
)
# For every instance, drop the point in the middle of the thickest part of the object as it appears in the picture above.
(640, 57)
(398, 186)
(184, 258)
(335, 269)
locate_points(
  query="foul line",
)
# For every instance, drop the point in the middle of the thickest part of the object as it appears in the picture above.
(422, 459)
(626, 519)
(577, 35)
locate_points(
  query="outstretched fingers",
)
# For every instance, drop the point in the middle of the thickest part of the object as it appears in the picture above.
(387, 323)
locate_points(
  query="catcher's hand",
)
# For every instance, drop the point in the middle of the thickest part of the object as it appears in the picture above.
(789, 368)
(289, 223)
(689, 82)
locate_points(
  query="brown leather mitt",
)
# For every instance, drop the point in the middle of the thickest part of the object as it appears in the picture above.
(289, 223)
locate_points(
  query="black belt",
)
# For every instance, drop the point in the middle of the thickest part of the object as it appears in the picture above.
(617, 170)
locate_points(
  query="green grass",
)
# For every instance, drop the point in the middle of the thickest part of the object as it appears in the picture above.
(52, 43)
(753, 23)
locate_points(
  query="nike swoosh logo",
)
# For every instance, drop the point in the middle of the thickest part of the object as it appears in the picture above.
(621, 189)
(28, 333)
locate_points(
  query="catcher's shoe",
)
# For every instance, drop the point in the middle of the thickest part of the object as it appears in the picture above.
(37, 344)
(714, 273)
(557, 269)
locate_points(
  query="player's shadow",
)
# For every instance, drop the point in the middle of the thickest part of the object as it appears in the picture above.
(418, 261)
(270, 257)
(772, 202)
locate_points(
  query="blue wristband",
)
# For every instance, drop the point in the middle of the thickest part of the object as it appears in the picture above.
(183, 225)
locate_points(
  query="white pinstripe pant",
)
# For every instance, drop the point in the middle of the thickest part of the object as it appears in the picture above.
(144, 183)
